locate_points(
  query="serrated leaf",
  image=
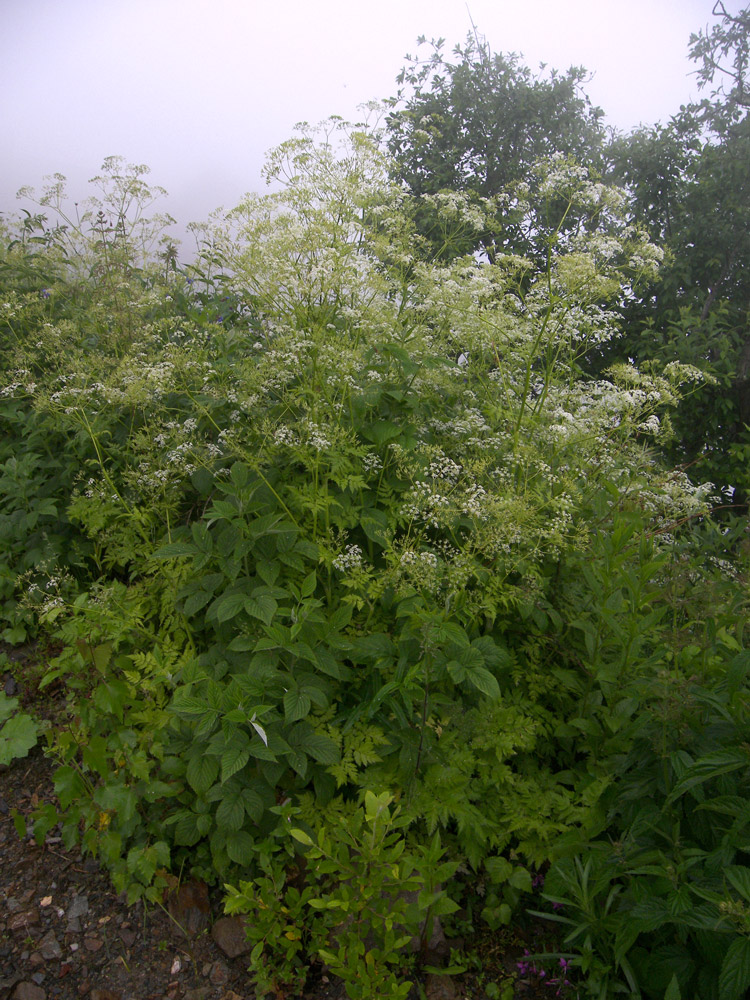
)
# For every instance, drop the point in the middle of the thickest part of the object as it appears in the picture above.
(17, 736)
(710, 766)
(228, 606)
(740, 879)
(175, 550)
(321, 748)
(231, 811)
(262, 606)
(202, 772)
(673, 990)
(484, 681)
(241, 847)
(233, 760)
(195, 602)
(296, 705)
(734, 978)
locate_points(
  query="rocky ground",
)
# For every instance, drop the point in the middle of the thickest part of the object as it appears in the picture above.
(66, 934)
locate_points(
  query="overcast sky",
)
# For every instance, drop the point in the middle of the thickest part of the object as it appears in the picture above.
(200, 89)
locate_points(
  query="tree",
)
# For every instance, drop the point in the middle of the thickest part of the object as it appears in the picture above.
(478, 125)
(690, 186)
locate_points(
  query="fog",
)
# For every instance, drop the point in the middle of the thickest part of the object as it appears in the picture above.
(200, 90)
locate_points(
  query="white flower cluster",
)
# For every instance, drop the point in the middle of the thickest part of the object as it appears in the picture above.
(348, 560)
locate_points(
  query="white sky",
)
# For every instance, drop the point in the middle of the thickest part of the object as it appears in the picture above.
(200, 89)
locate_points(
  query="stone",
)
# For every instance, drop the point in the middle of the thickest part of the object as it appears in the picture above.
(439, 987)
(49, 947)
(229, 934)
(100, 994)
(200, 993)
(92, 943)
(189, 907)
(22, 921)
(127, 936)
(29, 991)
(219, 974)
(78, 908)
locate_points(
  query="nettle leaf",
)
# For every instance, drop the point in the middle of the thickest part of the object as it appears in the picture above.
(740, 879)
(734, 978)
(202, 772)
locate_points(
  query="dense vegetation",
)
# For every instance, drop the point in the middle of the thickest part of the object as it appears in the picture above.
(378, 550)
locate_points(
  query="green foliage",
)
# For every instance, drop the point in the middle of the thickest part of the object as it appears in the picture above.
(479, 125)
(337, 537)
(364, 893)
(18, 731)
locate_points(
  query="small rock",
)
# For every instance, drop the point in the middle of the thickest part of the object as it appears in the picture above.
(10, 687)
(23, 920)
(74, 926)
(100, 994)
(127, 936)
(4, 807)
(229, 934)
(438, 987)
(92, 943)
(29, 991)
(189, 907)
(35, 959)
(50, 947)
(78, 908)
(38, 978)
(219, 974)
(13, 905)
(200, 993)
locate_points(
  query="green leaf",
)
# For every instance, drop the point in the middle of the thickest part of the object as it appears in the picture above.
(241, 847)
(302, 837)
(296, 705)
(498, 869)
(321, 748)
(484, 681)
(201, 772)
(734, 978)
(228, 606)
(7, 706)
(520, 879)
(740, 879)
(17, 736)
(175, 550)
(233, 760)
(673, 990)
(231, 811)
(261, 606)
(710, 766)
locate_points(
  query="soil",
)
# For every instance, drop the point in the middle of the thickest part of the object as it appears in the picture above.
(65, 933)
